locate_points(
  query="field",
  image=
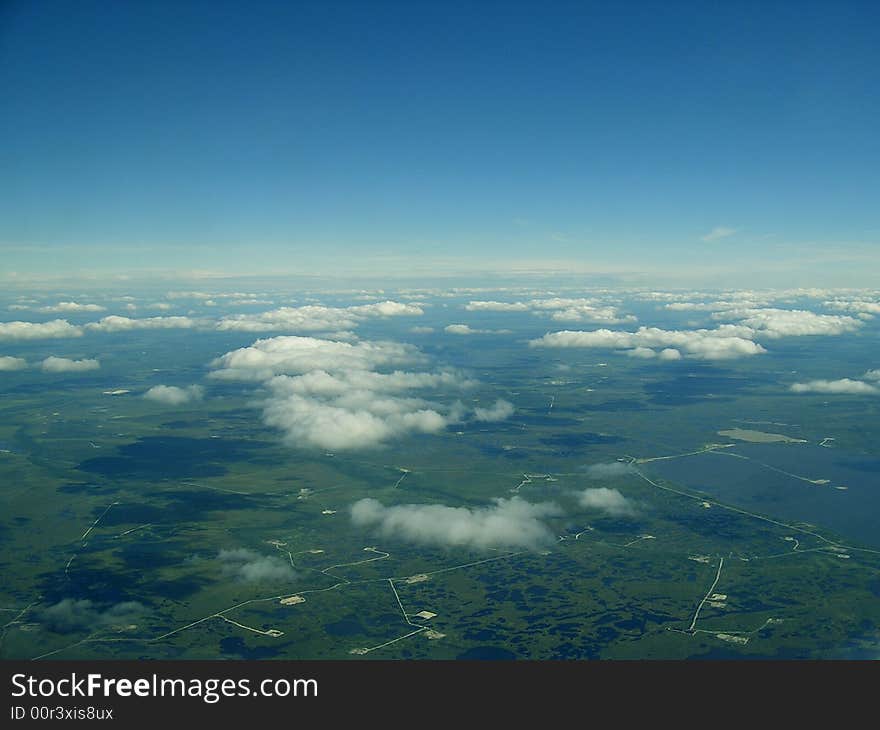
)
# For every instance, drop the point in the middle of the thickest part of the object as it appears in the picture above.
(132, 529)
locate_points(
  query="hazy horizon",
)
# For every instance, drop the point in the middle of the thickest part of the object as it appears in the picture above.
(667, 145)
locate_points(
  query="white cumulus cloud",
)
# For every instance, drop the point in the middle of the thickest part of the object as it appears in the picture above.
(464, 329)
(172, 395)
(558, 308)
(724, 342)
(860, 306)
(775, 323)
(332, 395)
(608, 470)
(507, 523)
(293, 355)
(8, 363)
(38, 330)
(72, 307)
(500, 411)
(669, 353)
(249, 566)
(843, 385)
(115, 323)
(64, 365)
(316, 317)
(644, 353)
(609, 501)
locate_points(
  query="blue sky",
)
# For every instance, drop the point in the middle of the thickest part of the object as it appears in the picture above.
(675, 140)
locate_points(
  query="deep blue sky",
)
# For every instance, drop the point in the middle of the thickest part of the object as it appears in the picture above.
(255, 137)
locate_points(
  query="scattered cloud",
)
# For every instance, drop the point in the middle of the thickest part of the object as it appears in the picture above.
(72, 307)
(717, 305)
(329, 394)
(38, 330)
(64, 365)
(775, 323)
(249, 566)
(421, 330)
(507, 523)
(492, 306)
(669, 353)
(500, 411)
(608, 470)
(464, 329)
(357, 420)
(293, 355)
(70, 614)
(723, 343)
(718, 233)
(609, 501)
(860, 306)
(737, 337)
(174, 396)
(645, 353)
(316, 317)
(844, 385)
(115, 323)
(8, 363)
(559, 309)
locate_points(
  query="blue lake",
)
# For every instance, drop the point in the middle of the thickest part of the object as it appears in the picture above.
(852, 513)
